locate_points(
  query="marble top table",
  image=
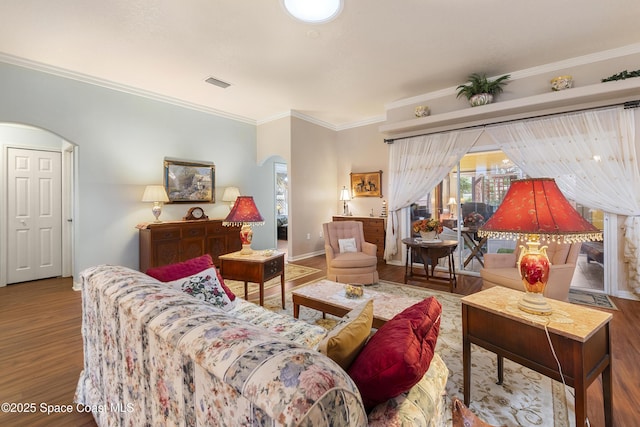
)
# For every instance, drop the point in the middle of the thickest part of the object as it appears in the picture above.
(329, 297)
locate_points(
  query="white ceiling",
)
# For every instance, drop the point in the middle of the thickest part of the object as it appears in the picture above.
(339, 73)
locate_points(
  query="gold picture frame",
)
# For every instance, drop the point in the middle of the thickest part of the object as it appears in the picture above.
(189, 181)
(366, 184)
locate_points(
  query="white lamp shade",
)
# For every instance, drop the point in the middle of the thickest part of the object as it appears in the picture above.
(344, 194)
(230, 194)
(155, 193)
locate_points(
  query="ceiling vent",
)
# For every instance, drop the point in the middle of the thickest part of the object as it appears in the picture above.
(216, 82)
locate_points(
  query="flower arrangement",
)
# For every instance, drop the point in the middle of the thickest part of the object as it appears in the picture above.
(424, 225)
(474, 218)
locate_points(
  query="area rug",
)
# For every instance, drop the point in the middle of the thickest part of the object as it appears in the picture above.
(291, 272)
(593, 299)
(526, 398)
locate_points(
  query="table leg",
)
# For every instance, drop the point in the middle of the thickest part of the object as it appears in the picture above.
(296, 309)
(261, 293)
(282, 288)
(406, 266)
(246, 297)
(607, 385)
(500, 363)
(466, 358)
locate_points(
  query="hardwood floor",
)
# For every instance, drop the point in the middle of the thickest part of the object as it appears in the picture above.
(41, 349)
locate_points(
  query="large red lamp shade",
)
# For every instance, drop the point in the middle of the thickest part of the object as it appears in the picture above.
(535, 211)
(244, 213)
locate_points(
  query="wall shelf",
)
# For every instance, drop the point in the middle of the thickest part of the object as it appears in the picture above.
(592, 96)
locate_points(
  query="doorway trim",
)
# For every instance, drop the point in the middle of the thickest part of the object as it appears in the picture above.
(69, 156)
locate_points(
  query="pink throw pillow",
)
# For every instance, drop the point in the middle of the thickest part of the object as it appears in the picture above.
(168, 273)
(171, 272)
(399, 354)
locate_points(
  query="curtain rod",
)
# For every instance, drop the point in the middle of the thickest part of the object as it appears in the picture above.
(627, 105)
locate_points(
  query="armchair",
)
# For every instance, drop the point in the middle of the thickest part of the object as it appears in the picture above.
(354, 263)
(501, 270)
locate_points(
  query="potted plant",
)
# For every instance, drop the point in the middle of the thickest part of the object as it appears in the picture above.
(480, 90)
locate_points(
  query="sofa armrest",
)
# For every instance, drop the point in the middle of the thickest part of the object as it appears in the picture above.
(499, 260)
(369, 248)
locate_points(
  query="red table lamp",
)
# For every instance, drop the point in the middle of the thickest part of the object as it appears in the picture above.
(244, 213)
(535, 211)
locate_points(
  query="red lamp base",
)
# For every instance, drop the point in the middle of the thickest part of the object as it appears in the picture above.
(246, 235)
(534, 269)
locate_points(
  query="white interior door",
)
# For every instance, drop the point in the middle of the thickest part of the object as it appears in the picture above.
(34, 214)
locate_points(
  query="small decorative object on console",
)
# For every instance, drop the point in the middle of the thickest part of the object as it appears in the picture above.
(194, 214)
(354, 290)
(422, 111)
(561, 83)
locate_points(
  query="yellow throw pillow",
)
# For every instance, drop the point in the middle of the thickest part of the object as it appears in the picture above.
(345, 341)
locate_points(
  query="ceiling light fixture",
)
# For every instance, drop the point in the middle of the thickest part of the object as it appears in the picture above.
(313, 11)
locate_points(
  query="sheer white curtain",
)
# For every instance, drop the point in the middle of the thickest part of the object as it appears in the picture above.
(593, 157)
(416, 165)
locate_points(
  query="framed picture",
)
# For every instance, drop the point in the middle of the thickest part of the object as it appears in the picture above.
(367, 184)
(189, 182)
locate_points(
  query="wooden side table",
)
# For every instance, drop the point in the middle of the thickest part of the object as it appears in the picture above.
(580, 336)
(432, 251)
(255, 268)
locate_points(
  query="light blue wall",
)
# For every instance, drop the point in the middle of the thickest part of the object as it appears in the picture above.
(122, 140)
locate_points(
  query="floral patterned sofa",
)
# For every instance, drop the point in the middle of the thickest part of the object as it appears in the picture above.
(154, 355)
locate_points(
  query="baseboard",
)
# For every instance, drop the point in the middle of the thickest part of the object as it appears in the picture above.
(77, 286)
(627, 295)
(305, 256)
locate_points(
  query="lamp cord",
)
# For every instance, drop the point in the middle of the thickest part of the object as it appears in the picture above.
(555, 356)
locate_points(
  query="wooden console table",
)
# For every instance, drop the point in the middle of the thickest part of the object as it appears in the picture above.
(169, 242)
(580, 336)
(255, 268)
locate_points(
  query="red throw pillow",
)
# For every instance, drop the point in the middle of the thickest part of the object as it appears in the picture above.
(171, 272)
(399, 354)
(168, 273)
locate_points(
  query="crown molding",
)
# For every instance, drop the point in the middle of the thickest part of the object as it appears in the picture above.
(107, 84)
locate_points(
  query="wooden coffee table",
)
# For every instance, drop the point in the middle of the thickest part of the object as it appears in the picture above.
(329, 297)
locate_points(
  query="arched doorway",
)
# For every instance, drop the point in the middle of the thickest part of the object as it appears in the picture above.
(40, 224)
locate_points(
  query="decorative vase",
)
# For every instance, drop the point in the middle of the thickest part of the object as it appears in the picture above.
(534, 270)
(481, 99)
(561, 83)
(428, 235)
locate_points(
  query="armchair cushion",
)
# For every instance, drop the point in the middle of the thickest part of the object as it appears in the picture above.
(353, 260)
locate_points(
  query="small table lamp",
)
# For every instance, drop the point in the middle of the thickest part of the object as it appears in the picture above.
(157, 195)
(244, 213)
(230, 195)
(452, 206)
(535, 211)
(344, 197)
